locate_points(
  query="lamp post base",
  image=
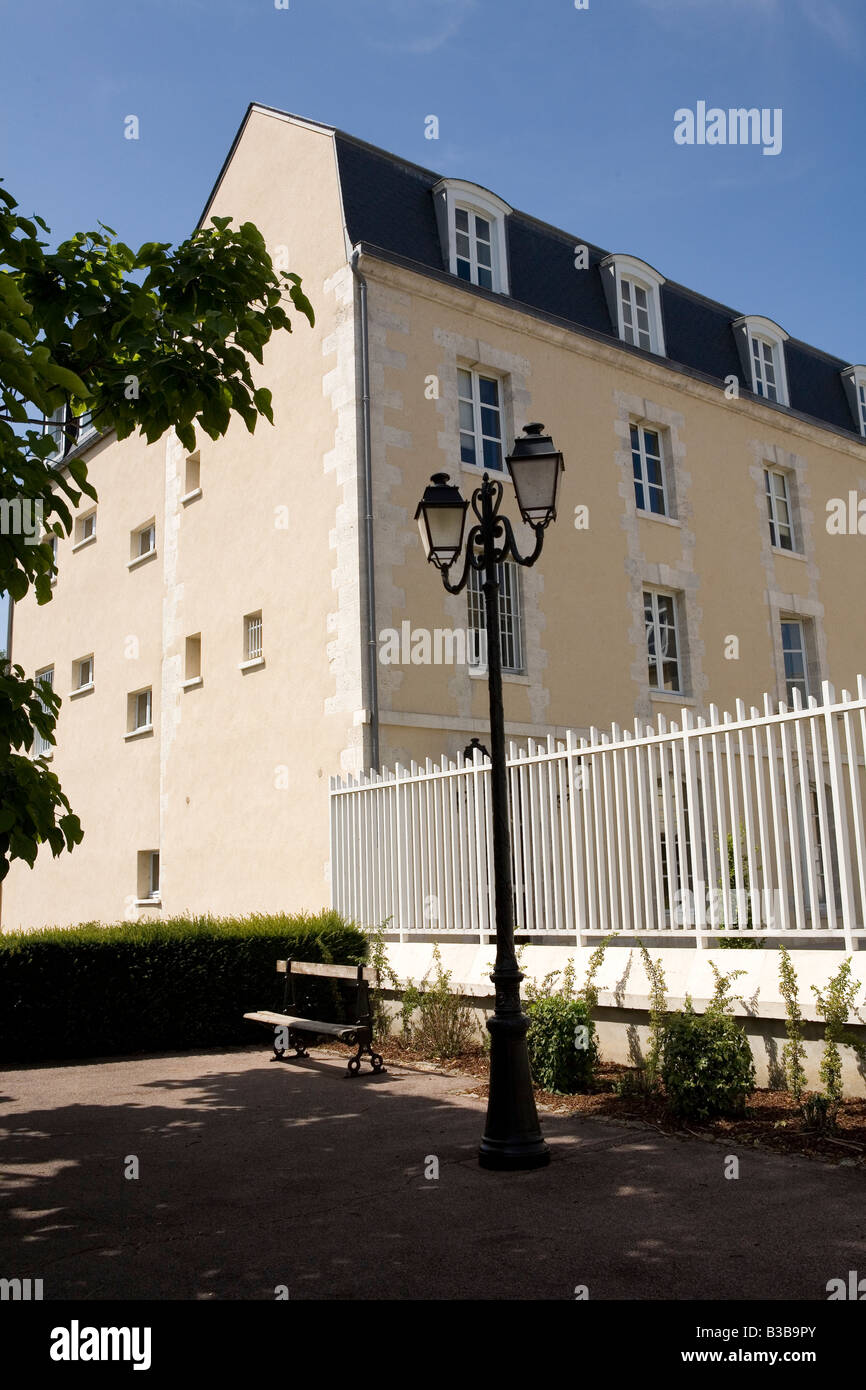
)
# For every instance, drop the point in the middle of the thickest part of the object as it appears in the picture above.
(512, 1135)
(513, 1159)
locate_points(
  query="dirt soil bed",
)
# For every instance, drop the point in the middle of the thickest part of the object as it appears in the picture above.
(772, 1119)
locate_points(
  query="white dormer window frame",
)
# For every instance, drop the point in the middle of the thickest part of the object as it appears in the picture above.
(761, 345)
(468, 243)
(854, 381)
(633, 292)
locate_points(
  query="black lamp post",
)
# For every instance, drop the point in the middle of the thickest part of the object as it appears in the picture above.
(512, 1136)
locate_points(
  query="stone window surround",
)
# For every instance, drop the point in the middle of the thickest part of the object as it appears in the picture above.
(513, 371)
(680, 579)
(809, 612)
(809, 608)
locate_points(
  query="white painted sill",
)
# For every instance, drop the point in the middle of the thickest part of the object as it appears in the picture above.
(139, 733)
(788, 554)
(251, 665)
(140, 559)
(191, 683)
(514, 677)
(81, 690)
(668, 697)
(478, 471)
(79, 545)
(655, 516)
(148, 902)
(190, 496)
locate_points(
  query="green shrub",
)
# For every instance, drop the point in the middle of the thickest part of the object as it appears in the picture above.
(834, 1004)
(562, 1041)
(92, 990)
(658, 1017)
(563, 1048)
(437, 1022)
(707, 1066)
(793, 1053)
(377, 954)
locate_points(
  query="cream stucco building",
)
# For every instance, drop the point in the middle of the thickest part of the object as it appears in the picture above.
(220, 625)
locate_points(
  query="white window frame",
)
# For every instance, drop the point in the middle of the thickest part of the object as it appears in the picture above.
(86, 427)
(85, 529)
(137, 555)
(798, 623)
(510, 621)
(254, 649)
(79, 665)
(642, 427)
(55, 425)
(41, 747)
(154, 875)
(754, 331)
(618, 270)
(132, 717)
(777, 526)
(476, 375)
(191, 476)
(854, 381)
(659, 658)
(148, 877)
(449, 194)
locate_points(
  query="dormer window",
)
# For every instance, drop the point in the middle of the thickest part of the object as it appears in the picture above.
(632, 289)
(854, 381)
(471, 223)
(473, 250)
(761, 345)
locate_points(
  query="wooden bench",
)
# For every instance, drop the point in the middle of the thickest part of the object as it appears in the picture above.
(293, 1031)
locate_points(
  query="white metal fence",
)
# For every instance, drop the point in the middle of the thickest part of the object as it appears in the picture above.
(729, 824)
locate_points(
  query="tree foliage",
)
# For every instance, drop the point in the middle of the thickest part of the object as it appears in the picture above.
(161, 338)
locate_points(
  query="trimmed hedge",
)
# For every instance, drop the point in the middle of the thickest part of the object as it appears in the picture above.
(186, 982)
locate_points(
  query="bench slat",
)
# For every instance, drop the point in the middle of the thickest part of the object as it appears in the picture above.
(310, 1025)
(335, 972)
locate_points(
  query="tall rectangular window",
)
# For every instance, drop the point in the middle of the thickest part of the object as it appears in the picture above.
(139, 711)
(192, 658)
(510, 619)
(82, 673)
(253, 648)
(480, 419)
(794, 654)
(861, 396)
(192, 474)
(41, 746)
(635, 314)
(663, 652)
(648, 468)
(778, 509)
(148, 875)
(764, 369)
(473, 240)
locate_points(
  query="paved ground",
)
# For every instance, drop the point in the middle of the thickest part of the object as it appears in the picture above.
(254, 1174)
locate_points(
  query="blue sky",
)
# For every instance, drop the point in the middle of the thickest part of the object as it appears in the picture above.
(567, 114)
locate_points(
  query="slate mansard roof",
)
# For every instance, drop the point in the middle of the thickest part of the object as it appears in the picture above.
(389, 206)
(389, 209)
